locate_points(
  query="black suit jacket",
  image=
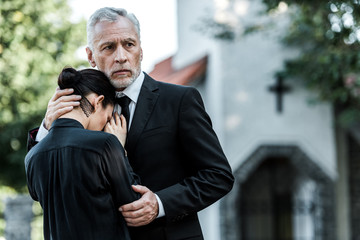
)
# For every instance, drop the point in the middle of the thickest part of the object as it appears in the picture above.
(172, 146)
(174, 149)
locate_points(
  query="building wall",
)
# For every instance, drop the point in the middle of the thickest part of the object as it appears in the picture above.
(251, 118)
(237, 98)
(192, 43)
(236, 89)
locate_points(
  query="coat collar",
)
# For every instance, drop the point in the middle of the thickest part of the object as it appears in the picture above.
(66, 122)
(146, 102)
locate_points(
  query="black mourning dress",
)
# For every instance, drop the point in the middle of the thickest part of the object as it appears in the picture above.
(80, 177)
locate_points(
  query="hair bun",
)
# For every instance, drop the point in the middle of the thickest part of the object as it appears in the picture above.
(69, 78)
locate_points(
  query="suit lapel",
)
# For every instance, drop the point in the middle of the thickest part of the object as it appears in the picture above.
(146, 102)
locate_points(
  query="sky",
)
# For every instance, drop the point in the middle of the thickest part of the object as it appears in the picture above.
(157, 25)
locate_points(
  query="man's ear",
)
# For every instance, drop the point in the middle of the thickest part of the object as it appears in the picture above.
(141, 54)
(90, 57)
(98, 102)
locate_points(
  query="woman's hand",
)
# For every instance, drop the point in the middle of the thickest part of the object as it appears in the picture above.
(117, 126)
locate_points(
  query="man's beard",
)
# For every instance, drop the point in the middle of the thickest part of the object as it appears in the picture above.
(121, 84)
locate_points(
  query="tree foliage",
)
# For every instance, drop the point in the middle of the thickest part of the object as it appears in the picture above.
(37, 39)
(328, 35)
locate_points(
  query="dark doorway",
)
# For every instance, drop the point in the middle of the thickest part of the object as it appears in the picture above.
(266, 205)
(280, 194)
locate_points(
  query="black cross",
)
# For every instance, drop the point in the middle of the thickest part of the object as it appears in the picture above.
(279, 88)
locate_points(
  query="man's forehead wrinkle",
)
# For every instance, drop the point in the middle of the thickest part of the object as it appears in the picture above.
(115, 35)
(113, 40)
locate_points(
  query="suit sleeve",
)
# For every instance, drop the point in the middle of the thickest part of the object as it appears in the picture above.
(119, 173)
(29, 171)
(211, 176)
(31, 142)
(36, 135)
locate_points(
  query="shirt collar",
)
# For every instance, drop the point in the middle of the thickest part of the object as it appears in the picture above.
(133, 90)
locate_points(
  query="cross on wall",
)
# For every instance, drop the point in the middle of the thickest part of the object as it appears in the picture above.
(279, 89)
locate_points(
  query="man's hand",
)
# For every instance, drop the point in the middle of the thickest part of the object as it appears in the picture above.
(142, 211)
(60, 104)
(117, 126)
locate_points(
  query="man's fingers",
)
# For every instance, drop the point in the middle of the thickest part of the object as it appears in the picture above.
(51, 117)
(140, 217)
(133, 214)
(131, 207)
(138, 203)
(66, 104)
(61, 102)
(61, 92)
(73, 99)
(140, 189)
(61, 111)
(137, 222)
(142, 211)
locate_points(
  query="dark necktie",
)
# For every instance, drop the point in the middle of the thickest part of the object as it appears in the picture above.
(124, 104)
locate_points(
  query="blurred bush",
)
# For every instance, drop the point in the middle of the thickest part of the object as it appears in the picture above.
(37, 39)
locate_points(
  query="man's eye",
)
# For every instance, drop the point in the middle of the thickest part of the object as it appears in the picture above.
(107, 47)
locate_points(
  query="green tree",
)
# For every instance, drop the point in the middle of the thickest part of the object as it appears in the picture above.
(37, 39)
(328, 34)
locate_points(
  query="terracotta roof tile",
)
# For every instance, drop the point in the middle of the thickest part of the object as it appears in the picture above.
(164, 72)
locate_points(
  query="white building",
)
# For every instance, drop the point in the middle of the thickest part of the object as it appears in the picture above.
(289, 159)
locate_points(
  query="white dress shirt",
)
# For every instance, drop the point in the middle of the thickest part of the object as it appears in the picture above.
(132, 92)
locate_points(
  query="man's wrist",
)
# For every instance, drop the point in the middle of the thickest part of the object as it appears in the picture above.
(42, 132)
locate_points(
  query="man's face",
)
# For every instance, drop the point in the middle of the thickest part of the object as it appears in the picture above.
(116, 51)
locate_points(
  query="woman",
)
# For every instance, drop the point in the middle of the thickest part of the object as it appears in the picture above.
(79, 174)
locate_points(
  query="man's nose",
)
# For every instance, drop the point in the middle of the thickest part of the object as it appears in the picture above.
(120, 55)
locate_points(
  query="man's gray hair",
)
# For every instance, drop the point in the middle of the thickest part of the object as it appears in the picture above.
(109, 14)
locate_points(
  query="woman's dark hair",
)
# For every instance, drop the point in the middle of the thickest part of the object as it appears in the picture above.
(87, 81)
